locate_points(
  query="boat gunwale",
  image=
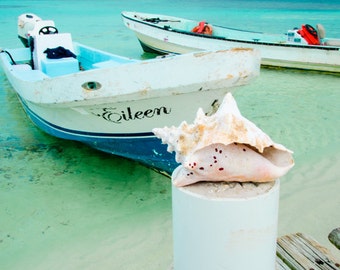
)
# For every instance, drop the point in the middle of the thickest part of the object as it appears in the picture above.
(101, 96)
(318, 47)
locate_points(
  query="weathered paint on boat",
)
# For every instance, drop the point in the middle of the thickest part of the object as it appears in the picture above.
(112, 103)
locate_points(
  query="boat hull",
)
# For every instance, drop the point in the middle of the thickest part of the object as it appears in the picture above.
(125, 129)
(144, 148)
(154, 37)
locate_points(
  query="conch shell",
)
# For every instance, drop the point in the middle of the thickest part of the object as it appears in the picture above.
(224, 147)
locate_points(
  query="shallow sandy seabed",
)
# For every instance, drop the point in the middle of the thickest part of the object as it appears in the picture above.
(65, 206)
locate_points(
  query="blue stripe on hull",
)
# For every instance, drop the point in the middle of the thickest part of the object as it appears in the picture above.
(141, 147)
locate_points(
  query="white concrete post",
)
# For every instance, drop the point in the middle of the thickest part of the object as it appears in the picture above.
(225, 226)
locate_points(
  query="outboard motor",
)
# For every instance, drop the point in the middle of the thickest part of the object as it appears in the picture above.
(30, 25)
(26, 23)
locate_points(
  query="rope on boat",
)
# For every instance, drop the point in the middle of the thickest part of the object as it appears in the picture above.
(157, 20)
(10, 56)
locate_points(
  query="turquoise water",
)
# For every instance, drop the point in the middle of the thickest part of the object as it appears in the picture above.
(66, 206)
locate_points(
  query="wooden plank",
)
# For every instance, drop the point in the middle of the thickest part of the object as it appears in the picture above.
(288, 253)
(301, 252)
(280, 265)
(326, 254)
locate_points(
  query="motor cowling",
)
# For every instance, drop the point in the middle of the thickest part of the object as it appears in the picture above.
(26, 23)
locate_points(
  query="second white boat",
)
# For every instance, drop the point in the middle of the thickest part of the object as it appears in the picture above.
(306, 48)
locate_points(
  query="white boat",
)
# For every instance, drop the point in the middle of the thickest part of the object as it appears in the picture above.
(110, 102)
(305, 48)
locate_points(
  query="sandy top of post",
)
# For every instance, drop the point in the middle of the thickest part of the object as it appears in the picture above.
(229, 189)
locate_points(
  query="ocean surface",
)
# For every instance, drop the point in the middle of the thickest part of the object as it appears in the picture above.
(66, 206)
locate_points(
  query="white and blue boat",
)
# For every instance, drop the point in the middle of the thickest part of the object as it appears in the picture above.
(110, 102)
(305, 48)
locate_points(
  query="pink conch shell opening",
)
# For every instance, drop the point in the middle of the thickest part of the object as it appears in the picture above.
(224, 147)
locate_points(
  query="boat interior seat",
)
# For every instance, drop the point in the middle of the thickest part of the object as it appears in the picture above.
(112, 62)
(32, 76)
(105, 64)
(56, 66)
(27, 74)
